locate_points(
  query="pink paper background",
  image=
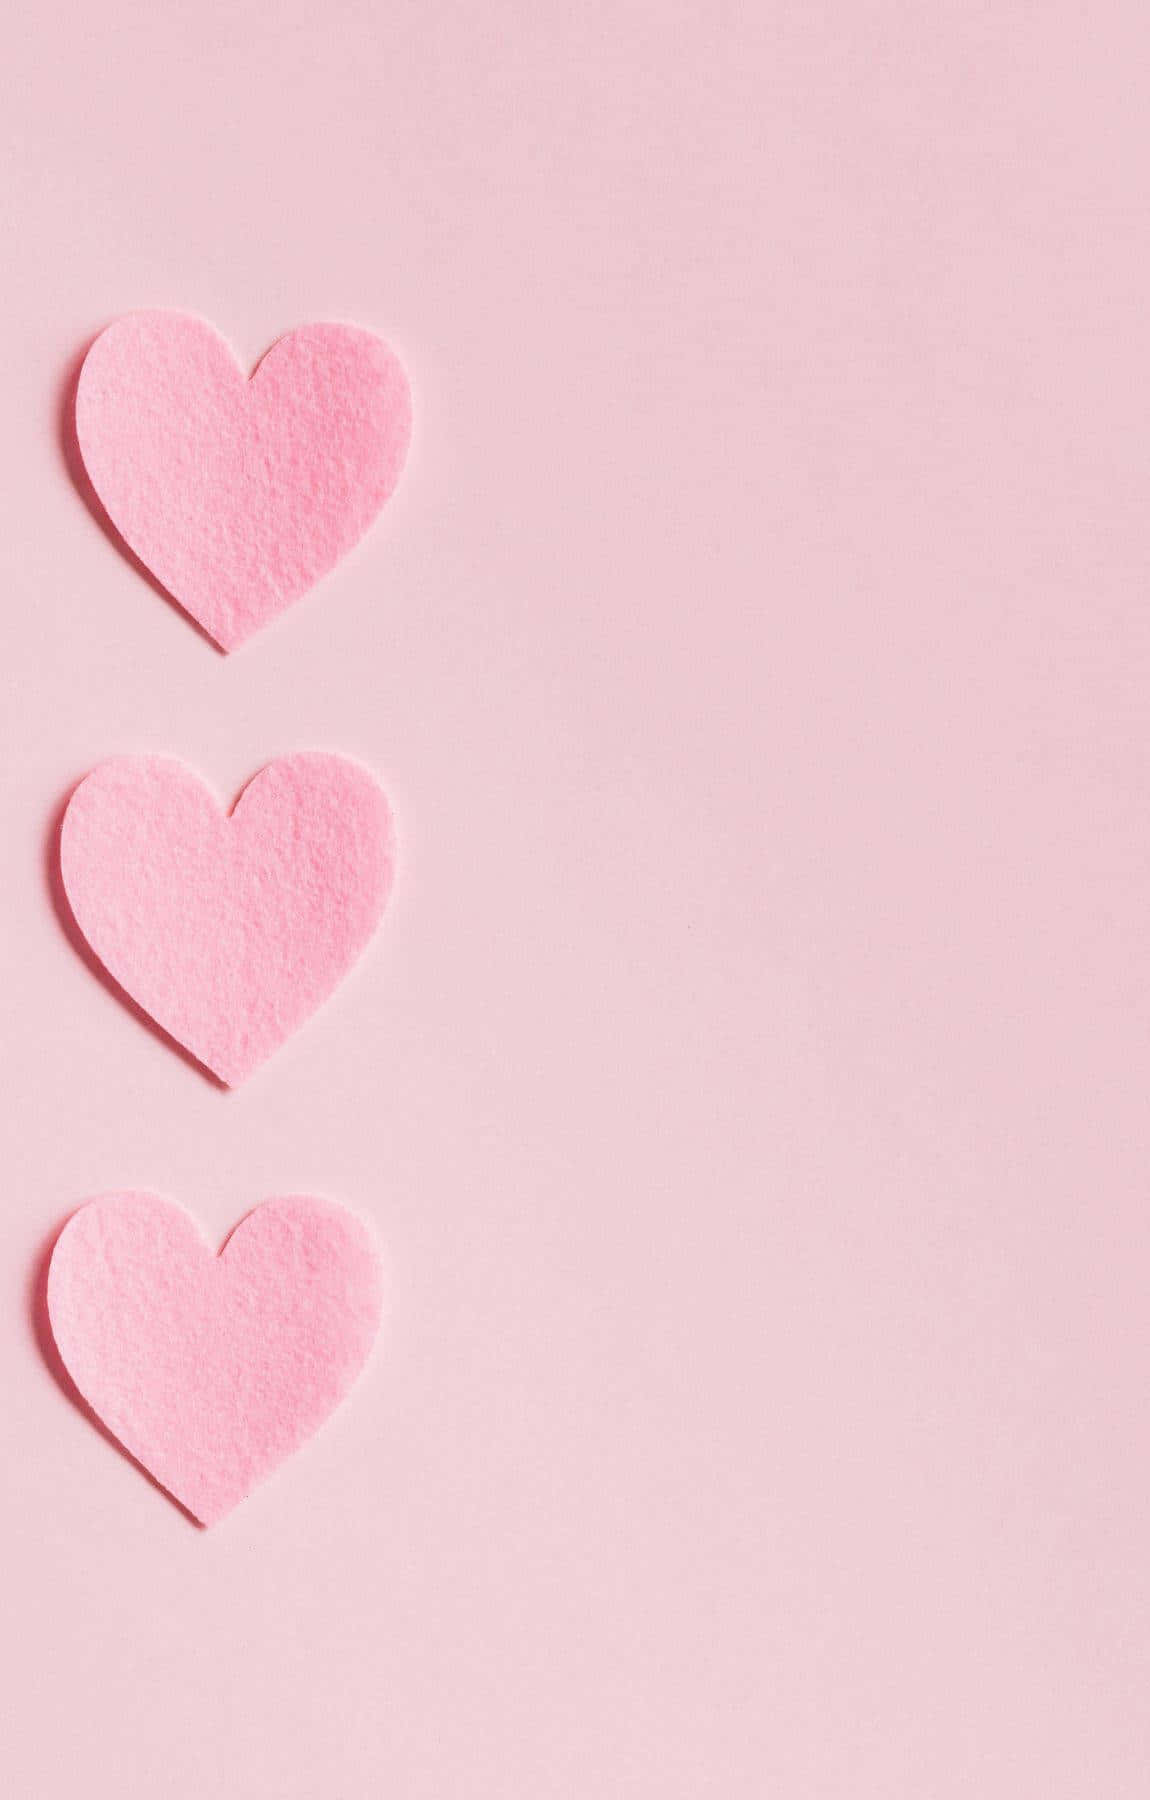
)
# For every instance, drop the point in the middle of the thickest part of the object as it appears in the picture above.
(750, 1082)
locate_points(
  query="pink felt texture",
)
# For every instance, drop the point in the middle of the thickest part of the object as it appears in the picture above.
(210, 1370)
(228, 930)
(240, 494)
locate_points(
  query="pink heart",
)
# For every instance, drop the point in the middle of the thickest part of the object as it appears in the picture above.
(210, 1370)
(238, 495)
(228, 931)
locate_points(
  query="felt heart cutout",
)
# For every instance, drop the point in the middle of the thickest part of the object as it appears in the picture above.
(228, 931)
(240, 494)
(210, 1370)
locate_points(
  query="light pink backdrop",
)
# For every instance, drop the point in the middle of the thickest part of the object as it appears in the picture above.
(750, 1085)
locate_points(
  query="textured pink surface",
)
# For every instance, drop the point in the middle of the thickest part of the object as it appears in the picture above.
(751, 1088)
(210, 1370)
(228, 930)
(239, 494)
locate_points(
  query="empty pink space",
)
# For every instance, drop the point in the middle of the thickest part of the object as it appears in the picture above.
(748, 1084)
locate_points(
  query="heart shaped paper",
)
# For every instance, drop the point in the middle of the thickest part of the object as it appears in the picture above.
(210, 1370)
(240, 494)
(228, 931)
